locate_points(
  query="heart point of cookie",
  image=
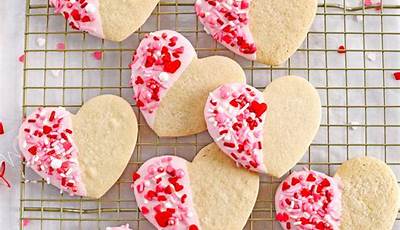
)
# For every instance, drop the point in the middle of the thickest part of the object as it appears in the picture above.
(363, 194)
(264, 132)
(72, 151)
(263, 30)
(205, 194)
(171, 84)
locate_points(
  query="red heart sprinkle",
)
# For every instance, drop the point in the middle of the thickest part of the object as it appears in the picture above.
(172, 67)
(258, 108)
(282, 217)
(162, 218)
(144, 210)
(193, 227)
(295, 181)
(397, 76)
(139, 80)
(285, 186)
(135, 176)
(98, 55)
(341, 49)
(311, 177)
(325, 183)
(33, 150)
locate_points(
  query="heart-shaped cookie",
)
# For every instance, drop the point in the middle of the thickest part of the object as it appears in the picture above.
(268, 31)
(364, 194)
(109, 19)
(265, 132)
(209, 193)
(171, 84)
(74, 152)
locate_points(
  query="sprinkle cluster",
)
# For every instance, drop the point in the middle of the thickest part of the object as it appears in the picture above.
(227, 21)
(154, 64)
(76, 12)
(309, 200)
(235, 114)
(164, 194)
(47, 141)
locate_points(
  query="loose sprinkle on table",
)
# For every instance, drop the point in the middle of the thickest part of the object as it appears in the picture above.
(397, 76)
(1, 128)
(98, 55)
(60, 46)
(21, 58)
(25, 222)
(341, 49)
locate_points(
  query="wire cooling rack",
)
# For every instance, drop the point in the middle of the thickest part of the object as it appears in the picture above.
(360, 98)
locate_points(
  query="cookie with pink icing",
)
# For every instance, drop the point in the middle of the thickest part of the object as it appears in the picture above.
(266, 132)
(171, 84)
(109, 19)
(354, 198)
(71, 152)
(172, 193)
(267, 31)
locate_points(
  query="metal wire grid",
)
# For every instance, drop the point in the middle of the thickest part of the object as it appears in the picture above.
(76, 77)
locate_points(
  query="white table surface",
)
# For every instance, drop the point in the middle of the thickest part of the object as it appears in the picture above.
(11, 47)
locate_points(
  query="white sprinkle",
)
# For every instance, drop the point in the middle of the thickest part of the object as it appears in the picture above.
(297, 223)
(108, 228)
(55, 72)
(189, 214)
(371, 56)
(147, 183)
(72, 1)
(48, 180)
(168, 205)
(163, 77)
(220, 138)
(227, 137)
(56, 163)
(353, 125)
(306, 215)
(61, 191)
(90, 8)
(40, 42)
(359, 18)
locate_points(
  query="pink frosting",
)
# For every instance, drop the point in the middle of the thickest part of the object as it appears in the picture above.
(228, 22)
(46, 141)
(163, 194)
(122, 227)
(235, 115)
(81, 15)
(309, 200)
(158, 62)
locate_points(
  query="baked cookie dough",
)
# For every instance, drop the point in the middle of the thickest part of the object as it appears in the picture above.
(73, 152)
(267, 132)
(363, 194)
(113, 20)
(266, 31)
(210, 193)
(171, 84)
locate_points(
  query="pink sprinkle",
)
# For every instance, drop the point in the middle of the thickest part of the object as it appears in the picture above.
(98, 55)
(1, 128)
(21, 58)
(61, 46)
(25, 222)
(397, 76)
(341, 49)
(367, 2)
